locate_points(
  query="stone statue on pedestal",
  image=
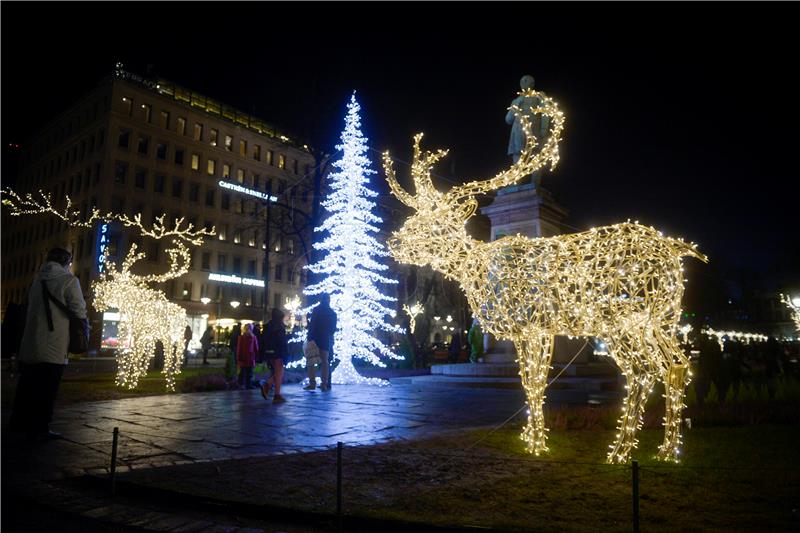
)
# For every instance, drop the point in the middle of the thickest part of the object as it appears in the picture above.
(539, 125)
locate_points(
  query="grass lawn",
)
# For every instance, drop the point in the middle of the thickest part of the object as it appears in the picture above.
(733, 479)
(101, 386)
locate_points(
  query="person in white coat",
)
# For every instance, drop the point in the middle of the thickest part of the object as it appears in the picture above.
(43, 353)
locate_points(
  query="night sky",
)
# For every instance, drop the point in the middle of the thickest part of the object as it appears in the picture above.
(678, 115)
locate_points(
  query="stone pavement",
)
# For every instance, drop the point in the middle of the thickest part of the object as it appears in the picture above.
(183, 428)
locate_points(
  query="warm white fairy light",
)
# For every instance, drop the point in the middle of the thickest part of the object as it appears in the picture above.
(146, 316)
(293, 306)
(794, 306)
(740, 336)
(350, 269)
(620, 283)
(412, 313)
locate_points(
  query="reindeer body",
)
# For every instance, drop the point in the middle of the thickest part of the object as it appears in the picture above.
(621, 283)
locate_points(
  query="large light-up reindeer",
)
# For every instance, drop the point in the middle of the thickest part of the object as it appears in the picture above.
(620, 283)
(146, 316)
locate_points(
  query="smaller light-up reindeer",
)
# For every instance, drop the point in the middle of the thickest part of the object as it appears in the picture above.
(621, 283)
(146, 316)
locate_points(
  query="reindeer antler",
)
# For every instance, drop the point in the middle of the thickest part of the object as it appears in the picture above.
(160, 230)
(398, 191)
(528, 162)
(28, 205)
(421, 167)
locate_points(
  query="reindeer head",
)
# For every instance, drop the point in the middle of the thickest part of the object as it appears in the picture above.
(435, 234)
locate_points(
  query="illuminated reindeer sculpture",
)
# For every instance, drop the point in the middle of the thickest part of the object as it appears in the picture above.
(146, 316)
(620, 283)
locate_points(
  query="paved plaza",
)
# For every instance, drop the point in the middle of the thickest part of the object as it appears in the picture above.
(177, 428)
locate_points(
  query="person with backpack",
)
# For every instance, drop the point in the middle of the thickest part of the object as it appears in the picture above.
(54, 295)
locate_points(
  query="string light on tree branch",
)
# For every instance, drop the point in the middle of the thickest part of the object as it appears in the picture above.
(622, 284)
(412, 313)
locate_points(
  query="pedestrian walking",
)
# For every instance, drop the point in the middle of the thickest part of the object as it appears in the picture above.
(276, 351)
(187, 338)
(205, 343)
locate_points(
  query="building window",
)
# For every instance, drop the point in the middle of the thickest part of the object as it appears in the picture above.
(237, 237)
(221, 263)
(240, 175)
(211, 167)
(237, 205)
(206, 261)
(198, 131)
(210, 197)
(164, 120)
(256, 182)
(187, 291)
(120, 171)
(257, 152)
(177, 188)
(251, 267)
(281, 161)
(140, 178)
(237, 265)
(228, 143)
(178, 156)
(208, 226)
(214, 137)
(252, 240)
(290, 246)
(124, 139)
(277, 300)
(295, 166)
(278, 272)
(127, 105)
(242, 148)
(226, 201)
(158, 183)
(161, 151)
(195, 162)
(181, 130)
(226, 171)
(143, 145)
(146, 111)
(194, 192)
(223, 232)
(281, 186)
(270, 157)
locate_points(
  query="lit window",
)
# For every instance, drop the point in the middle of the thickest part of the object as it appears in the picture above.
(256, 152)
(223, 232)
(281, 161)
(195, 162)
(240, 175)
(146, 110)
(226, 171)
(237, 237)
(181, 126)
(228, 143)
(198, 132)
(211, 167)
(243, 148)
(214, 135)
(269, 160)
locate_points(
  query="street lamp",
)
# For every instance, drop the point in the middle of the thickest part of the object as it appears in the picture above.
(234, 304)
(449, 319)
(205, 300)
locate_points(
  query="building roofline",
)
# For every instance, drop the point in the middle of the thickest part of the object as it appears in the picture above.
(209, 106)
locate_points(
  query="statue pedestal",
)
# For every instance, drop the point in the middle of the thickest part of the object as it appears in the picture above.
(532, 212)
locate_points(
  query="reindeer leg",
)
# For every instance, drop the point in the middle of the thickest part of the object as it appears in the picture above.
(534, 363)
(638, 385)
(676, 379)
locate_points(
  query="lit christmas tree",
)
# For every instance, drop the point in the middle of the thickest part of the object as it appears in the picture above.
(350, 269)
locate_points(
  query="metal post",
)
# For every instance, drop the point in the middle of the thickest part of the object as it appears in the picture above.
(114, 461)
(635, 471)
(339, 484)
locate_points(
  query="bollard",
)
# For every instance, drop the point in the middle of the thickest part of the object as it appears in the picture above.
(635, 471)
(339, 485)
(114, 462)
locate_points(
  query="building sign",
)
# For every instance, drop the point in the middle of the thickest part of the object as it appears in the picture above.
(245, 190)
(102, 244)
(237, 280)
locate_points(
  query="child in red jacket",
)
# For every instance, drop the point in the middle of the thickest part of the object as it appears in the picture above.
(246, 350)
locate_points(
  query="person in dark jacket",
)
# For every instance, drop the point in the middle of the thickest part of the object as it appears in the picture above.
(276, 350)
(205, 342)
(455, 346)
(321, 327)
